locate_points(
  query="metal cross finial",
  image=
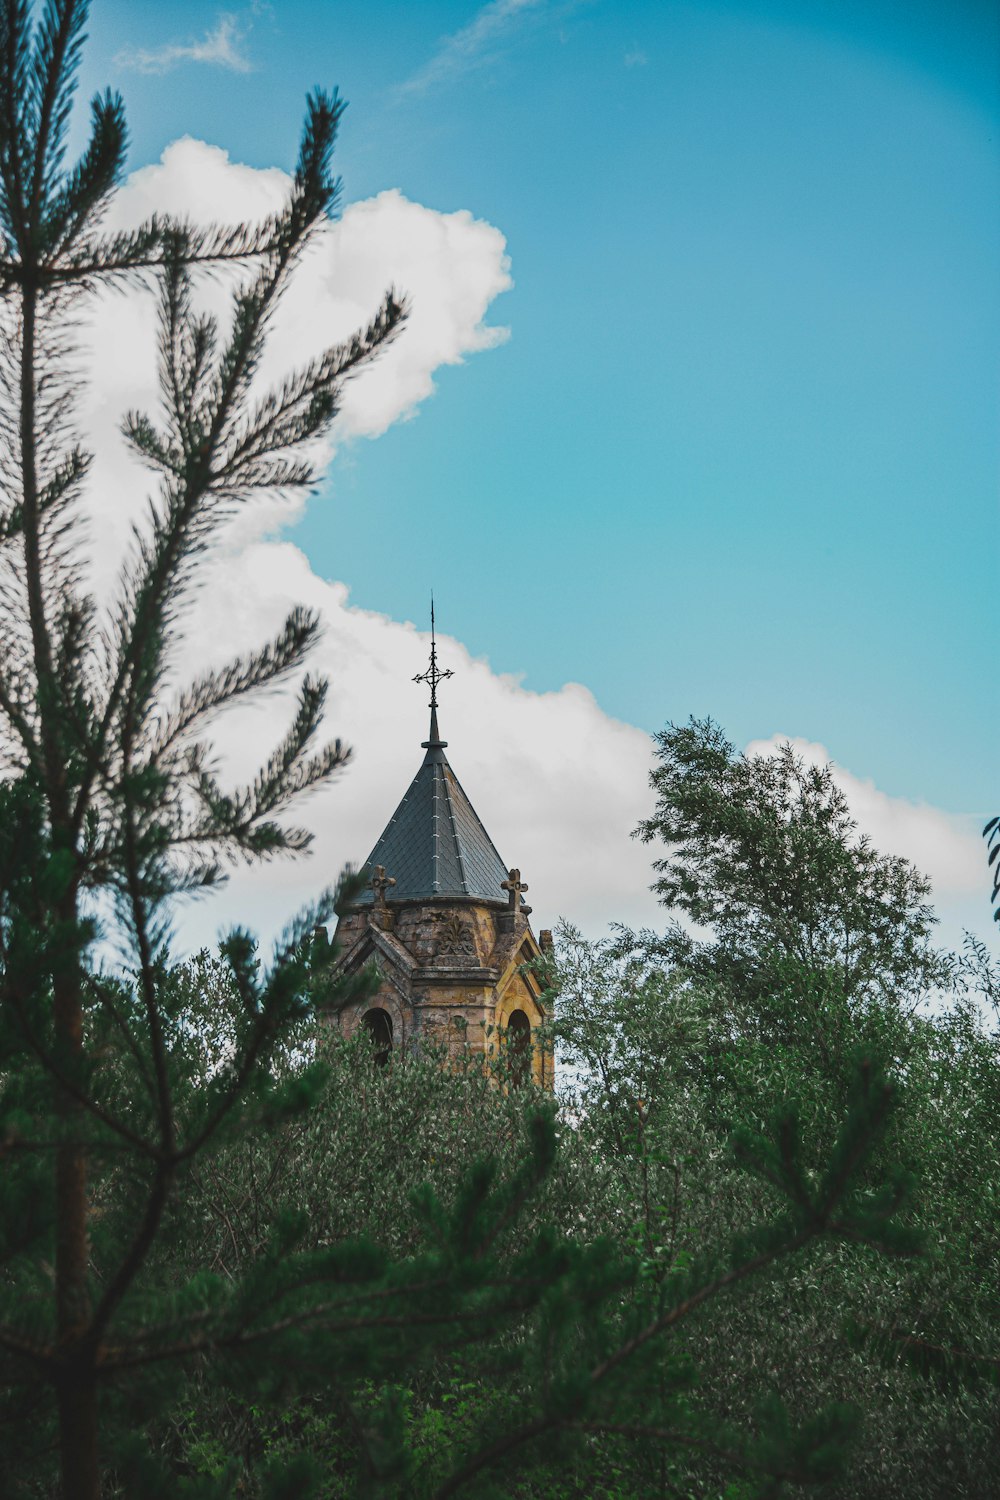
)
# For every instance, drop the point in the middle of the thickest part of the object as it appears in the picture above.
(434, 674)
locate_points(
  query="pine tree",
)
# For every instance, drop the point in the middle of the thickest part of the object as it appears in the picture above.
(111, 791)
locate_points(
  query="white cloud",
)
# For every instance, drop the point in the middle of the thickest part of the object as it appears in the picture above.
(222, 47)
(473, 45)
(199, 180)
(452, 268)
(450, 265)
(558, 784)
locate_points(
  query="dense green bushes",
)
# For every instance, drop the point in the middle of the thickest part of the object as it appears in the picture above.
(891, 1356)
(913, 1342)
(658, 1069)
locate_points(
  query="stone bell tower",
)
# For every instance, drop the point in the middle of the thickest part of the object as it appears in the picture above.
(446, 924)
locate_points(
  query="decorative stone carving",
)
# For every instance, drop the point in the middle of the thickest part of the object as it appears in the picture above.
(454, 939)
(380, 883)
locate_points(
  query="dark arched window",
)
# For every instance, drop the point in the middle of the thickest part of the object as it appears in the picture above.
(519, 1046)
(378, 1024)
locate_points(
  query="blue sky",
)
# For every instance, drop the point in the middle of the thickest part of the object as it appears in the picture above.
(739, 454)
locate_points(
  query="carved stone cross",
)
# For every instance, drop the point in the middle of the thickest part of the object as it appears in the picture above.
(380, 882)
(513, 886)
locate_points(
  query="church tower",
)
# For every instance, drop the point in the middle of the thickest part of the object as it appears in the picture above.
(446, 924)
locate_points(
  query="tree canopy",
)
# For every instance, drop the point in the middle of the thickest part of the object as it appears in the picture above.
(762, 851)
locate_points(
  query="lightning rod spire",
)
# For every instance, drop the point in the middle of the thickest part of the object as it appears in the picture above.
(432, 677)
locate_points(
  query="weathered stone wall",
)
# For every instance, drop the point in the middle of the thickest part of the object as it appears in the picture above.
(521, 994)
(450, 975)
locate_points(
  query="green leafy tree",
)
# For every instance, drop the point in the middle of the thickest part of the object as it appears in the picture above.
(603, 1364)
(763, 852)
(663, 1064)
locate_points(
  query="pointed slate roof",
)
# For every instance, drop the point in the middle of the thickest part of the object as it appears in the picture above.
(434, 844)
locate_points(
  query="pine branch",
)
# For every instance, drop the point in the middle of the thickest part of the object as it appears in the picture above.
(87, 188)
(216, 690)
(70, 1086)
(130, 253)
(58, 42)
(16, 716)
(136, 1255)
(181, 532)
(15, 126)
(304, 405)
(124, 1030)
(15, 1343)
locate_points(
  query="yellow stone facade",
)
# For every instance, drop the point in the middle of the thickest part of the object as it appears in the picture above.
(455, 974)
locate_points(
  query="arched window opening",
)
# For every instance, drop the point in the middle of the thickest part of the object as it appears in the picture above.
(519, 1046)
(378, 1024)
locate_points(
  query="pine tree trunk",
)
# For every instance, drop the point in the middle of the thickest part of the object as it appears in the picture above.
(76, 1387)
(78, 1435)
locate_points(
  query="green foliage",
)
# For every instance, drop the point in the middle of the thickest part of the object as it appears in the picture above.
(909, 1341)
(763, 850)
(608, 1345)
(387, 1152)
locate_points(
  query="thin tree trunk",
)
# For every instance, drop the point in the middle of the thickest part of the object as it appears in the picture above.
(77, 1395)
(77, 1390)
(76, 1387)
